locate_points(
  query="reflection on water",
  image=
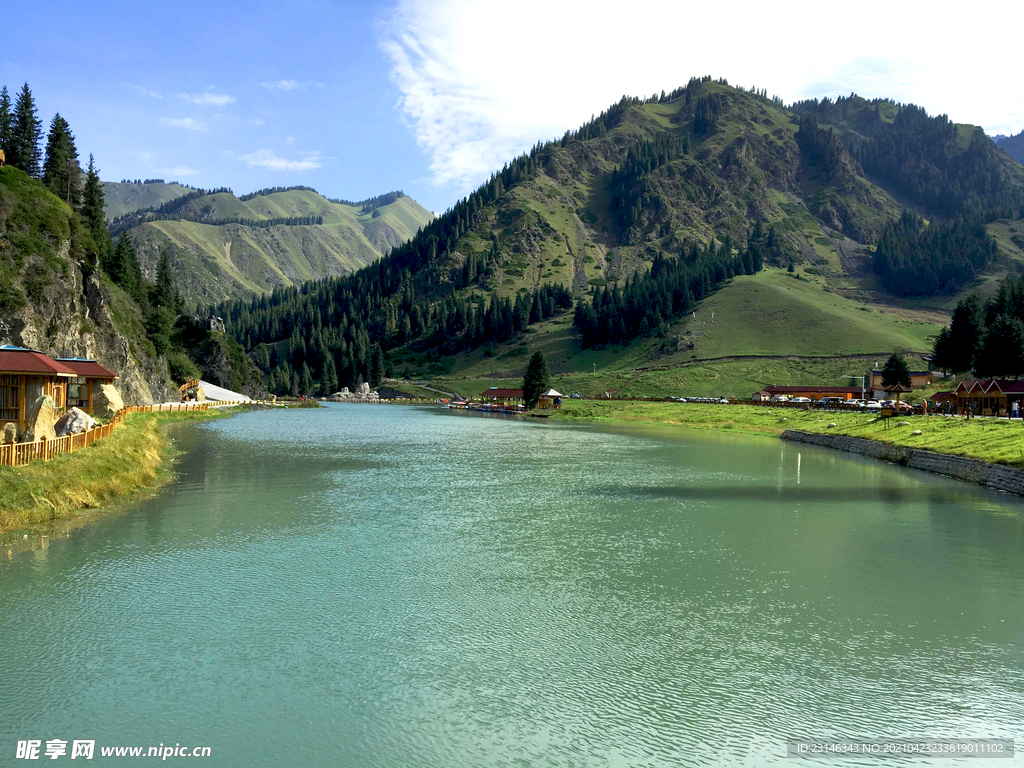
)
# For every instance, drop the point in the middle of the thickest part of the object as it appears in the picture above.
(401, 586)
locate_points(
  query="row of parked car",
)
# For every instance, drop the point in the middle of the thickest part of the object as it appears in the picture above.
(840, 403)
(721, 400)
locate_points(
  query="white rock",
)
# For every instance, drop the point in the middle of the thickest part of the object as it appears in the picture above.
(106, 401)
(74, 422)
(916, 432)
(830, 425)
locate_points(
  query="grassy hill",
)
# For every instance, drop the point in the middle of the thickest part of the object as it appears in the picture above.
(234, 255)
(125, 197)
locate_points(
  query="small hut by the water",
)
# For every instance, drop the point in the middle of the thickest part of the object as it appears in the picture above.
(550, 399)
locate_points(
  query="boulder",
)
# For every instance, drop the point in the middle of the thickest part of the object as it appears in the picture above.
(74, 422)
(916, 432)
(830, 425)
(39, 424)
(106, 401)
(903, 424)
(200, 394)
(10, 434)
(363, 390)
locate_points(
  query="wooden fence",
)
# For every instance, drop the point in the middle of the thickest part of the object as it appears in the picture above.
(19, 454)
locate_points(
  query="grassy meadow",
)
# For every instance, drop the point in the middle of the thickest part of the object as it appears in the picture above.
(998, 441)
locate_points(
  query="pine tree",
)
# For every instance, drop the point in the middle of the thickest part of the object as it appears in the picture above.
(6, 119)
(93, 210)
(535, 382)
(307, 381)
(61, 172)
(328, 377)
(1002, 349)
(895, 372)
(163, 291)
(26, 133)
(376, 372)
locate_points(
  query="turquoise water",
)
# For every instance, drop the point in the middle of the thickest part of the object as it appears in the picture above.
(390, 586)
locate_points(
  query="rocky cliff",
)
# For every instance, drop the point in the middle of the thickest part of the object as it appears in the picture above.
(55, 299)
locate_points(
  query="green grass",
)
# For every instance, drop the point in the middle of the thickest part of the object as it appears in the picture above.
(772, 313)
(124, 198)
(990, 440)
(131, 462)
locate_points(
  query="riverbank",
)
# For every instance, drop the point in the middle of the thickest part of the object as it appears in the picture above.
(989, 440)
(131, 462)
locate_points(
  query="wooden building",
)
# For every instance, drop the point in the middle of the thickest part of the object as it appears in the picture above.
(918, 379)
(814, 393)
(25, 374)
(89, 377)
(502, 395)
(988, 397)
(550, 399)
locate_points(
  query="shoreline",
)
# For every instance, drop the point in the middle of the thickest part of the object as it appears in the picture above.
(131, 464)
(986, 452)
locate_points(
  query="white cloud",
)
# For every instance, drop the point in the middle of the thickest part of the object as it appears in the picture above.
(259, 121)
(289, 140)
(185, 122)
(178, 171)
(473, 106)
(143, 91)
(207, 99)
(145, 156)
(265, 158)
(291, 85)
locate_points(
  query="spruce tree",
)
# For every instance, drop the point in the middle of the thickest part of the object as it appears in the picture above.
(376, 372)
(93, 211)
(895, 372)
(61, 172)
(536, 379)
(26, 133)
(307, 380)
(5, 121)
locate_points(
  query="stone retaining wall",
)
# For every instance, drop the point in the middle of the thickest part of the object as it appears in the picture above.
(970, 470)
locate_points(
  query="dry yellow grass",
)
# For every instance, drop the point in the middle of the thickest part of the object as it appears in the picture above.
(131, 462)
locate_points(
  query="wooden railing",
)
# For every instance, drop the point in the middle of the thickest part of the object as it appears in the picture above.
(20, 454)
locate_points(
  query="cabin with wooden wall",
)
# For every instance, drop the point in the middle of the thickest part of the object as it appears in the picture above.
(89, 377)
(25, 375)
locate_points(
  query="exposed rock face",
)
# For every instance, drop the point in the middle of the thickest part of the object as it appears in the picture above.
(39, 424)
(10, 434)
(72, 317)
(106, 402)
(361, 395)
(74, 422)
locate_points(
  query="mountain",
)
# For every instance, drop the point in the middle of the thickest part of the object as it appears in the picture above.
(223, 246)
(646, 213)
(127, 196)
(1014, 145)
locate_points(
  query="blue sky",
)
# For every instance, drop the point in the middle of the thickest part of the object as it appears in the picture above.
(430, 96)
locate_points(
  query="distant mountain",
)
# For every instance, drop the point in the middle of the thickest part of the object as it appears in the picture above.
(223, 246)
(123, 197)
(1012, 144)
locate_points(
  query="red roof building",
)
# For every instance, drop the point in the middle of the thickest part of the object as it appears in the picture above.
(498, 393)
(25, 375)
(89, 377)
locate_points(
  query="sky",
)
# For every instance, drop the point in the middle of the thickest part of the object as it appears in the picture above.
(431, 96)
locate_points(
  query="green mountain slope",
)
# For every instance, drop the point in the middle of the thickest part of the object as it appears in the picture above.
(700, 181)
(222, 247)
(125, 197)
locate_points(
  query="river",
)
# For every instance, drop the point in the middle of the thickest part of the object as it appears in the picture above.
(402, 586)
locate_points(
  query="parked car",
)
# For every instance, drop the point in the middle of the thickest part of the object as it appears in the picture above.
(871, 405)
(801, 400)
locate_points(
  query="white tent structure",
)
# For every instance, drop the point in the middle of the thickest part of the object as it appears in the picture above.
(219, 394)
